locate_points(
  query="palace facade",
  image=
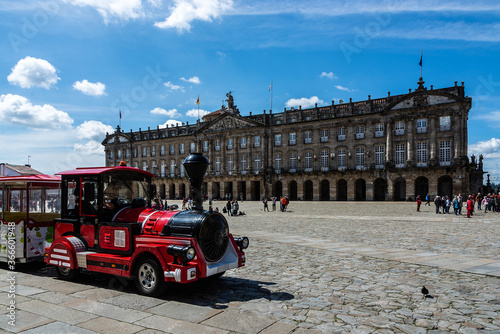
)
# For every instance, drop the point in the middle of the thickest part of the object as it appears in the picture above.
(390, 148)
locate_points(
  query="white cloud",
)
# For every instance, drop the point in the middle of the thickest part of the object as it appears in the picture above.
(186, 11)
(33, 72)
(194, 80)
(169, 123)
(304, 102)
(329, 75)
(171, 86)
(89, 148)
(489, 148)
(170, 113)
(194, 113)
(93, 130)
(339, 87)
(122, 9)
(89, 88)
(18, 110)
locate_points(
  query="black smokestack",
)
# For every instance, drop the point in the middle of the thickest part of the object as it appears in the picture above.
(196, 166)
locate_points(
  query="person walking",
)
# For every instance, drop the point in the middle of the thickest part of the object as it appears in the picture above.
(448, 204)
(228, 207)
(437, 203)
(470, 206)
(418, 203)
(460, 203)
(274, 203)
(455, 205)
(266, 207)
(428, 199)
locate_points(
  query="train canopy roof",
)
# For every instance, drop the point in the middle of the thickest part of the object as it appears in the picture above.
(102, 170)
(41, 178)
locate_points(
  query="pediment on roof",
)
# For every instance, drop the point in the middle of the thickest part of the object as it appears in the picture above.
(422, 99)
(228, 121)
(116, 138)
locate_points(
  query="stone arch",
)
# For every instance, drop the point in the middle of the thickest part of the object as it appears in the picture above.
(445, 186)
(341, 190)
(278, 189)
(380, 189)
(324, 192)
(421, 187)
(399, 189)
(360, 190)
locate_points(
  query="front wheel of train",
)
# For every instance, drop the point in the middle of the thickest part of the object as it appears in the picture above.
(148, 278)
(67, 274)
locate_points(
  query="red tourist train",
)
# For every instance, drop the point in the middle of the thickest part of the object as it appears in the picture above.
(107, 225)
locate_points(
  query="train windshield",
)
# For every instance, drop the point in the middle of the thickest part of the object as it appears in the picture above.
(122, 189)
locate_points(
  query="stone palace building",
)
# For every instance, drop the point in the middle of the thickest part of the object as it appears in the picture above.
(390, 148)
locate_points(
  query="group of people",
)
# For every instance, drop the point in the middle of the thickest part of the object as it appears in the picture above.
(490, 202)
(283, 203)
(232, 208)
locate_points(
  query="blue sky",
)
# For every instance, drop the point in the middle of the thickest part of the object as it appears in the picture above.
(68, 66)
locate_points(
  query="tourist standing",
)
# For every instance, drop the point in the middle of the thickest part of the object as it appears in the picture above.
(266, 207)
(418, 203)
(274, 203)
(428, 200)
(470, 206)
(437, 203)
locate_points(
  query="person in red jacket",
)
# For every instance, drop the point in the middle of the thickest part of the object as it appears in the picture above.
(418, 203)
(470, 206)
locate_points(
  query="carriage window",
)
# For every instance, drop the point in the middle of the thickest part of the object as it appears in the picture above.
(36, 200)
(72, 197)
(53, 200)
(15, 201)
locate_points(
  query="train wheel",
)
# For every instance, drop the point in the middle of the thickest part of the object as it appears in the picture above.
(67, 274)
(149, 278)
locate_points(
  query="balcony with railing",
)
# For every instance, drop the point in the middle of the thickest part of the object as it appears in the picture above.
(360, 135)
(379, 134)
(341, 137)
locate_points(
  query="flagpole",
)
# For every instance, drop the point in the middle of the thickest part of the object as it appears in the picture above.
(421, 64)
(120, 121)
(272, 95)
(198, 103)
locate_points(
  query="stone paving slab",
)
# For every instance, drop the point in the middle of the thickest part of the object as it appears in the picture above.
(24, 321)
(247, 322)
(175, 326)
(59, 328)
(183, 311)
(110, 326)
(56, 312)
(105, 310)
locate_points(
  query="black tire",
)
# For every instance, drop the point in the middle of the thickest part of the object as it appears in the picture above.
(149, 278)
(67, 274)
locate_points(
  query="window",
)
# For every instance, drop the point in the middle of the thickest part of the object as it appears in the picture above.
(181, 148)
(444, 123)
(445, 152)
(399, 128)
(341, 159)
(400, 155)
(277, 163)
(307, 137)
(153, 151)
(360, 158)
(110, 154)
(230, 144)
(144, 151)
(379, 130)
(119, 154)
(293, 162)
(277, 140)
(205, 146)
(422, 125)
(256, 141)
(360, 132)
(135, 152)
(144, 165)
(379, 157)
(229, 164)
(127, 153)
(192, 148)
(243, 164)
(308, 164)
(421, 154)
(162, 169)
(341, 133)
(323, 135)
(153, 167)
(324, 162)
(217, 166)
(162, 150)
(217, 145)
(172, 149)
(182, 169)
(172, 168)
(292, 138)
(243, 142)
(256, 163)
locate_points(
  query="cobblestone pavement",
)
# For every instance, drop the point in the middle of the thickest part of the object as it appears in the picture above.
(320, 267)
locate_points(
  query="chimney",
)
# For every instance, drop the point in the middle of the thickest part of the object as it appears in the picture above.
(196, 166)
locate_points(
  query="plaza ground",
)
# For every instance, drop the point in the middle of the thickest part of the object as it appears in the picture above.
(319, 267)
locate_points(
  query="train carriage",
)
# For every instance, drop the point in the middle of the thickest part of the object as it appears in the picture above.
(29, 205)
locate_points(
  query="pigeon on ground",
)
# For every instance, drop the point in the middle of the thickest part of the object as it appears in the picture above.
(425, 292)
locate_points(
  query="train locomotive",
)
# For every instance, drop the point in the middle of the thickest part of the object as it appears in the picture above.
(107, 225)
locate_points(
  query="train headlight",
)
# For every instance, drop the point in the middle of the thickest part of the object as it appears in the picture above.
(242, 242)
(187, 253)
